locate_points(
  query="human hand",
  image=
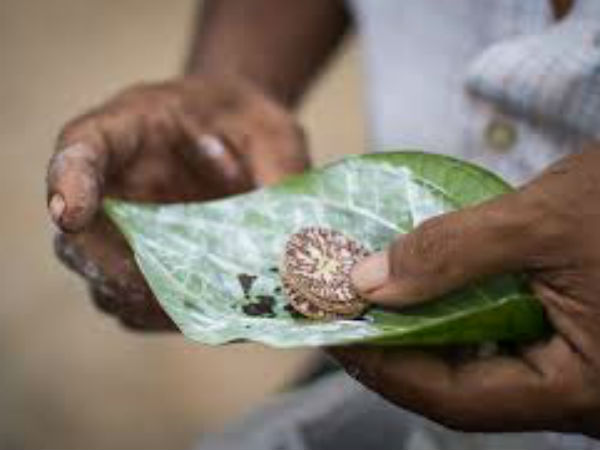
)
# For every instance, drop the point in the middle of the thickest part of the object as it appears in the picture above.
(192, 139)
(549, 229)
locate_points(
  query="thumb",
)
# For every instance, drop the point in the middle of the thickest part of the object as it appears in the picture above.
(89, 150)
(446, 252)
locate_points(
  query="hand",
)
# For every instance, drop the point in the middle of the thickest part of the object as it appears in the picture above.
(193, 139)
(550, 229)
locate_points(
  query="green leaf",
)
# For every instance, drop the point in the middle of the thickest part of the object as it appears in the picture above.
(192, 254)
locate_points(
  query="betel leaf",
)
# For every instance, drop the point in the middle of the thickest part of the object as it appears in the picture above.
(206, 262)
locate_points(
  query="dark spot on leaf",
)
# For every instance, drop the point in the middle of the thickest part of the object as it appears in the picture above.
(266, 300)
(262, 308)
(274, 270)
(277, 290)
(246, 281)
(190, 305)
(295, 314)
(251, 309)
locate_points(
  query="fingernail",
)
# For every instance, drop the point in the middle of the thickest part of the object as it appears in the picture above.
(56, 207)
(371, 273)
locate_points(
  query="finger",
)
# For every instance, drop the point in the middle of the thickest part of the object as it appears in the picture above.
(210, 153)
(74, 186)
(74, 258)
(88, 151)
(492, 394)
(269, 143)
(448, 251)
(151, 318)
(143, 315)
(105, 299)
(214, 149)
(573, 319)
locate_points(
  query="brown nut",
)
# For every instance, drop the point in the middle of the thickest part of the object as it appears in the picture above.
(316, 273)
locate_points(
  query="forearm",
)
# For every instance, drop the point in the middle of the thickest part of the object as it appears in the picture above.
(278, 44)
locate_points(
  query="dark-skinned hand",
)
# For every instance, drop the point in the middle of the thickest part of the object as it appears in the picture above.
(550, 229)
(192, 139)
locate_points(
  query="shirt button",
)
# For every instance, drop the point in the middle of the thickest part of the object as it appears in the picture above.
(500, 135)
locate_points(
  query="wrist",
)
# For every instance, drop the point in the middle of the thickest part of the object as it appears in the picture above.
(270, 84)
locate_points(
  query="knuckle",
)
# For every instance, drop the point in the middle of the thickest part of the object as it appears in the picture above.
(74, 258)
(133, 323)
(270, 118)
(132, 314)
(145, 317)
(281, 121)
(82, 140)
(136, 90)
(94, 126)
(68, 253)
(161, 127)
(76, 129)
(140, 322)
(105, 298)
(132, 304)
(291, 130)
(144, 99)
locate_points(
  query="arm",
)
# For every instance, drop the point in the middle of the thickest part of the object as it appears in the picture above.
(277, 44)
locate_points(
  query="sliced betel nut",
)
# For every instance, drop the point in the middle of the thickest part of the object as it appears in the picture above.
(317, 263)
(307, 308)
(354, 308)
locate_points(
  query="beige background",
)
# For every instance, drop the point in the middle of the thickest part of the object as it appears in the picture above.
(69, 376)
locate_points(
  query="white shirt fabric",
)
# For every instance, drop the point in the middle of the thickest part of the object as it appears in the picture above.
(441, 74)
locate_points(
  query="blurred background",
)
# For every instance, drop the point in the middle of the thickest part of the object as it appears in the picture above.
(71, 377)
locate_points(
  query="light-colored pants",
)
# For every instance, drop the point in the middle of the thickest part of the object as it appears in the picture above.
(336, 413)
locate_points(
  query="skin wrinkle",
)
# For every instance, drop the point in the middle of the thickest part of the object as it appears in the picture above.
(571, 317)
